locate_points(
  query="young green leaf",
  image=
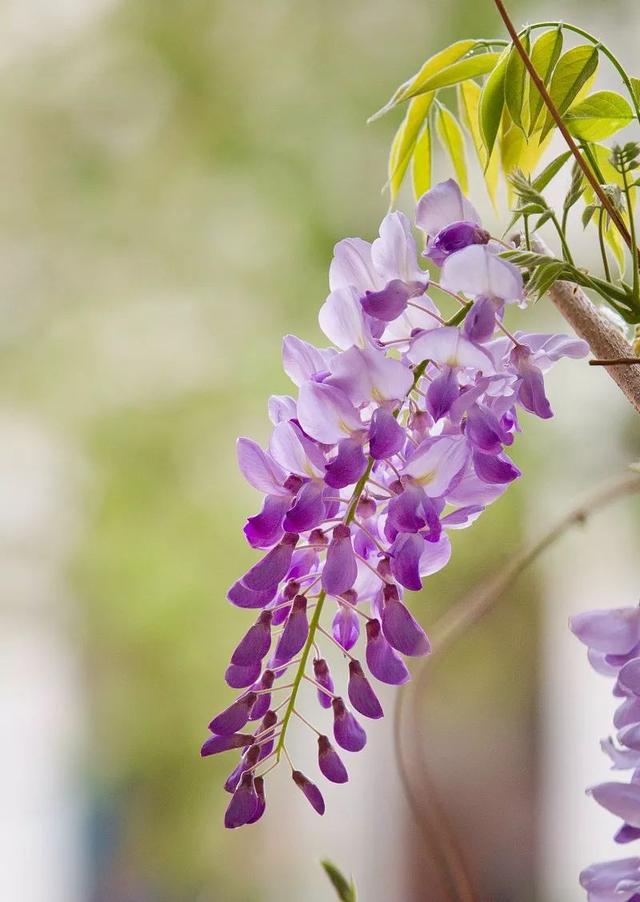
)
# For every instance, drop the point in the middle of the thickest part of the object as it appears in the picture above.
(404, 143)
(452, 140)
(598, 116)
(345, 889)
(421, 164)
(576, 188)
(433, 65)
(544, 56)
(468, 106)
(635, 84)
(470, 67)
(573, 70)
(492, 102)
(551, 170)
(587, 214)
(543, 278)
(515, 82)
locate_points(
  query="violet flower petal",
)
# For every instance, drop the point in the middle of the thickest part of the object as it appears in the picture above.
(347, 731)
(330, 763)
(361, 695)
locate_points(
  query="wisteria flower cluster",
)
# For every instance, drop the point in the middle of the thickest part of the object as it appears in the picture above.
(397, 436)
(613, 640)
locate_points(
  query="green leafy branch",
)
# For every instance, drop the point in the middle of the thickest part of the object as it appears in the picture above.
(505, 99)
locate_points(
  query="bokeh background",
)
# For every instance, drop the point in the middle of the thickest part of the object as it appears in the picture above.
(174, 176)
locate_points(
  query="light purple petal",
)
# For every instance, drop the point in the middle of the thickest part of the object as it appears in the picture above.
(477, 272)
(342, 319)
(294, 452)
(437, 462)
(326, 414)
(366, 374)
(259, 469)
(442, 205)
(447, 346)
(613, 631)
(352, 266)
(301, 360)
(622, 799)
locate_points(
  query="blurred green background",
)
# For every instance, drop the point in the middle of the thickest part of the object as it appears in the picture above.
(174, 178)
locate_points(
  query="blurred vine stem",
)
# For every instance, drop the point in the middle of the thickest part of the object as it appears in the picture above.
(566, 134)
(418, 787)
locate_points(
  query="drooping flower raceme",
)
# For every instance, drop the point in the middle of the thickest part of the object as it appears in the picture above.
(613, 640)
(398, 434)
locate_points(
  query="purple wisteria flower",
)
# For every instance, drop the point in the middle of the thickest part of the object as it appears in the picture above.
(613, 640)
(398, 434)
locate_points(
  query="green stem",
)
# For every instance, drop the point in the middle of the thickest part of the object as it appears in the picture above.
(560, 230)
(632, 228)
(603, 249)
(313, 626)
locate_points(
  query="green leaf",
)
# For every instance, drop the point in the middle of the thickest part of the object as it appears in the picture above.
(587, 214)
(552, 169)
(464, 69)
(468, 106)
(576, 188)
(433, 65)
(544, 56)
(492, 102)
(345, 889)
(452, 140)
(599, 116)
(635, 84)
(573, 70)
(515, 82)
(544, 277)
(421, 164)
(404, 143)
